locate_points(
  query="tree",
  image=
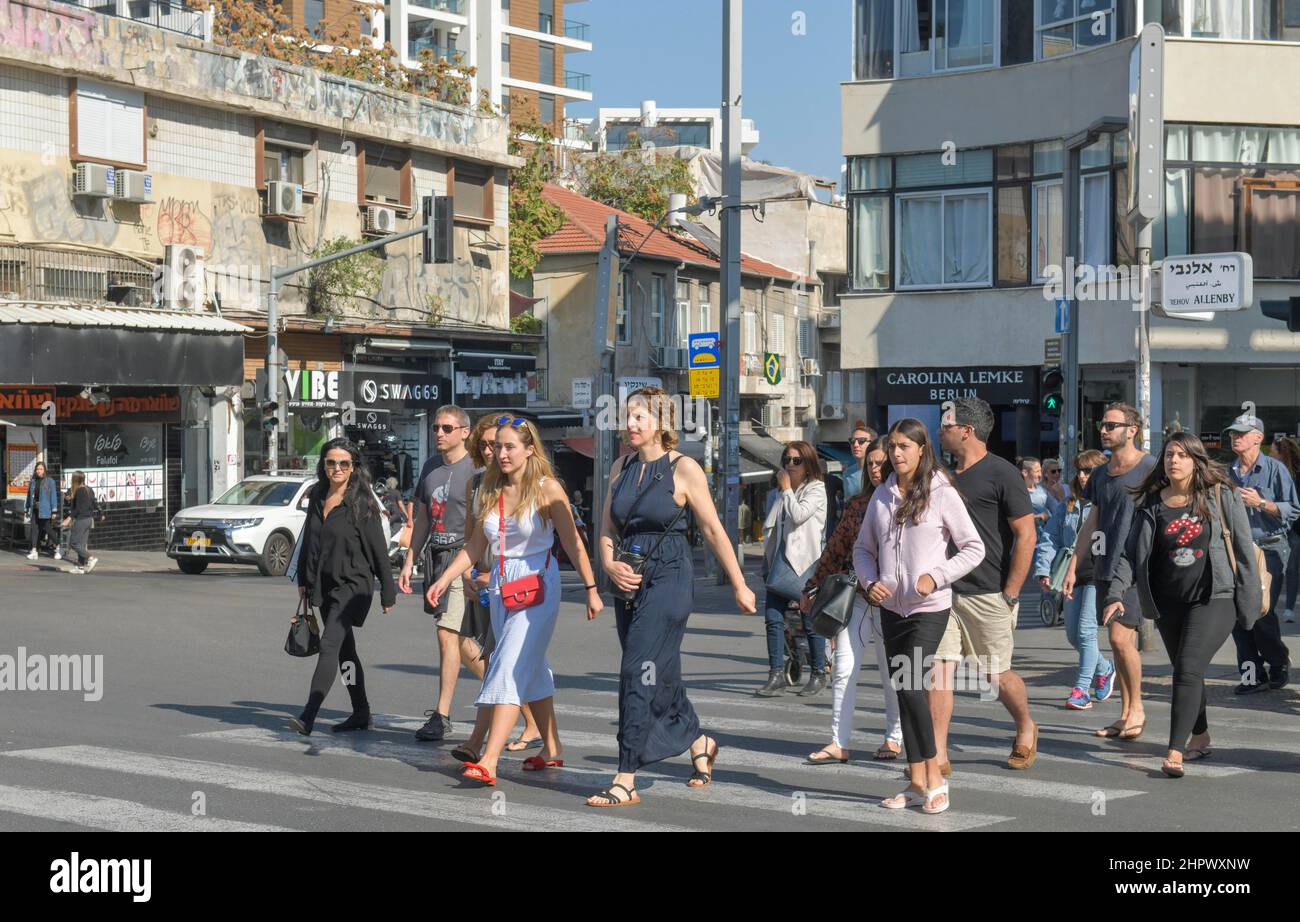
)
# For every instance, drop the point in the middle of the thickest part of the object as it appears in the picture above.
(532, 217)
(637, 180)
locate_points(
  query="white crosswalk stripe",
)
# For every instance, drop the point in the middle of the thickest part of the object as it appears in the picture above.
(112, 814)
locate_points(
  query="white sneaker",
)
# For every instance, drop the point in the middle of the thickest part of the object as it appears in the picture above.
(77, 571)
(1288, 616)
(90, 564)
(58, 554)
(32, 555)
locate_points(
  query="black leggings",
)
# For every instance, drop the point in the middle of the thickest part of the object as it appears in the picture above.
(42, 530)
(910, 644)
(338, 646)
(1192, 635)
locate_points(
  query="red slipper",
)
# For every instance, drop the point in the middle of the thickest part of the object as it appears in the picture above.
(475, 772)
(537, 763)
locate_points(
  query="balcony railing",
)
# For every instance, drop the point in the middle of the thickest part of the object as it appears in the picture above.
(172, 15)
(576, 81)
(442, 6)
(446, 52)
(35, 274)
(579, 30)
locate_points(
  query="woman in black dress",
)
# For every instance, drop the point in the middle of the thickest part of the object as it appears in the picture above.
(343, 551)
(646, 510)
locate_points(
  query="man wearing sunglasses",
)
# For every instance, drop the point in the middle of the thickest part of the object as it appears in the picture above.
(1105, 532)
(863, 435)
(439, 532)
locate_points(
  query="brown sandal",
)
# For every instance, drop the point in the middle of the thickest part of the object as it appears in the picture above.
(704, 777)
(885, 754)
(612, 801)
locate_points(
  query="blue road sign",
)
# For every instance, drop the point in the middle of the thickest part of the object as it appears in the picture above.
(1062, 315)
(705, 350)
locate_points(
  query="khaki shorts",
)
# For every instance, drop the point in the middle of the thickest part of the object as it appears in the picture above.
(453, 618)
(981, 626)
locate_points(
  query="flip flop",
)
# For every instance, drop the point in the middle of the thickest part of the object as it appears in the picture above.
(829, 760)
(1173, 771)
(475, 772)
(1106, 731)
(1193, 755)
(885, 754)
(464, 754)
(523, 745)
(1128, 738)
(537, 763)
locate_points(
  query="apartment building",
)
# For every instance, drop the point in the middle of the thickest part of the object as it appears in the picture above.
(149, 184)
(954, 128)
(616, 129)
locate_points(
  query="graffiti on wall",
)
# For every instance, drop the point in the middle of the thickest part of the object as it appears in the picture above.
(41, 199)
(54, 29)
(182, 221)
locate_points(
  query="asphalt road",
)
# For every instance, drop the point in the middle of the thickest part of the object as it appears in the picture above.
(189, 732)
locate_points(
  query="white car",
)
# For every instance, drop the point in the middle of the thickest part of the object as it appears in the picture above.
(256, 521)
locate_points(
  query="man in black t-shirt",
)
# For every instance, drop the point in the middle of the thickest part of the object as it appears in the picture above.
(1106, 532)
(986, 601)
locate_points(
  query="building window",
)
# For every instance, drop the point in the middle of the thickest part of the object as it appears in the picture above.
(750, 331)
(472, 190)
(505, 101)
(1261, 20)
(1094, 219)
(283, 152)
(385, 175)
(776, 333)
(624, 309)
(313, 11)
(546, 63)
(682, 316)
(1074, 25)
(857, 387)
(834, 391)
(546, 16)
(705, 304)
(806, 346)
(944, 239)
(505, 56)
(867, 174)
(869, 241)
(658, 309)
(1049, 227)
(964, 33)
(108, 124)
(873, 46)
(546, 108)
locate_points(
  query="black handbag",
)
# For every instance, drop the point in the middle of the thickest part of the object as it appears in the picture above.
(780, 578)
(832, 606)
(304, 632)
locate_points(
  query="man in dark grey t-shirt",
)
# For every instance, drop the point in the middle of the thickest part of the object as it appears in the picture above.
(1105, 533)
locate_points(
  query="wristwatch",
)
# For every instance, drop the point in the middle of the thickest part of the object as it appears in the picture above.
(1011, 601)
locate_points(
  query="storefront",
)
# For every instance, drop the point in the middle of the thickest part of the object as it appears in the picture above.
(394, 405)
(487, 381)
(1011, 391)
(311, 392)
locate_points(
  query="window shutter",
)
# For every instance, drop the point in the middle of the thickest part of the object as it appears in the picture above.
(110, 122)
(805, 339)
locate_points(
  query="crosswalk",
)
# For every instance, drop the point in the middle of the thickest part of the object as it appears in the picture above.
(265, 778)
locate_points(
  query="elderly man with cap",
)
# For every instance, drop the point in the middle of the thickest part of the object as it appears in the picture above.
(1272, 505)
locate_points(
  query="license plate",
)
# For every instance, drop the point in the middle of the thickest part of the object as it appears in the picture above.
(197, 541)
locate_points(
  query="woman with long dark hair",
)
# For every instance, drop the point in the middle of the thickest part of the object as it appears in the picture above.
(1095, 678)
(343, 552)
(81, 516)
(43, 508)
(1177, 557)
(901, 559)
(1287, 450)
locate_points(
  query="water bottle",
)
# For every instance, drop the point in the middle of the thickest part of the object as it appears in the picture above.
(634, 560)
(483, 598)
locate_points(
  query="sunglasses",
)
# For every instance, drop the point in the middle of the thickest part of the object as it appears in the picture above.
(1109, 426)
(448, 428)
(794, 460)
(514, 422)
(859, 441)
(331, 464)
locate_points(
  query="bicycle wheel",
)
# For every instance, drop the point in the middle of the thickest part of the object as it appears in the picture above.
(1047, 609)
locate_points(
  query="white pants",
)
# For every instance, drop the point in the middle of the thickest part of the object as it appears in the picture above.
(864, 626)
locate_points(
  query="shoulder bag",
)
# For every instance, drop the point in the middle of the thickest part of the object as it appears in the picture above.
(1245, 619)
(781, 579)
(526, 591)
(832, 606)
(304, 632)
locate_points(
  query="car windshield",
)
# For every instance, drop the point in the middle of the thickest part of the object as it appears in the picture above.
(260, 493)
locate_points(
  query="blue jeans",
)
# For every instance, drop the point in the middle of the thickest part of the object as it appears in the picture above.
(1081, 632)
(774, 611)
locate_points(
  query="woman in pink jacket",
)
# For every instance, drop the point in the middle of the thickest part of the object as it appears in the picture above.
(901, 558)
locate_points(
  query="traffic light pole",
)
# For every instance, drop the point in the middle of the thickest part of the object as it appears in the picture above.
(273, 324)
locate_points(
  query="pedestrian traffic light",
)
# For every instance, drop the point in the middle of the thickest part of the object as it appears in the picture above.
(269, 420)
(1053, 382)
(1288, 311)
(438, 226)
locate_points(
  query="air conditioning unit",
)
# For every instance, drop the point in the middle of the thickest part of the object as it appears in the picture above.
(669, 357)
(93, 179)
(772, 416)
(380, 220)
(830, 411)
(283, 200)
(132, 186)
(183, 284)
(829, 318)
(810, 368)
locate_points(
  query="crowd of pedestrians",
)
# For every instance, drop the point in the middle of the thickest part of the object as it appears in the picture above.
(935, 558)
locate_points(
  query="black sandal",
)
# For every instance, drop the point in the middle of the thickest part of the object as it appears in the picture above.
(706, 777)
(612, 801)
(463, 753)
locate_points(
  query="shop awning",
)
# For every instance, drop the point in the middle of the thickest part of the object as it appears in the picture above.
(66, 343)
(762, 448)
(557, 418)
(752, 472)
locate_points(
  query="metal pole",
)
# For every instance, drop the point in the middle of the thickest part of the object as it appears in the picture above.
(729, 404)
(1071, 416)
(273, 370)
(604, 386)
(1144, 334)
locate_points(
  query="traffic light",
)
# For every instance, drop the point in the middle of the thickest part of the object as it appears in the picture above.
(1051, 385)
(1288, 311)
(269, 416)
(438, 226)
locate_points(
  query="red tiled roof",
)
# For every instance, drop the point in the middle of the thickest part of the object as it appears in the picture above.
(584, 232)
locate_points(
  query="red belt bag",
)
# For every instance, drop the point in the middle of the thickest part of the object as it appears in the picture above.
(526, 591)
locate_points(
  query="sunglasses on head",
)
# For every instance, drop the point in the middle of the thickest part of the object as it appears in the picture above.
(514, 422)
(792, 460)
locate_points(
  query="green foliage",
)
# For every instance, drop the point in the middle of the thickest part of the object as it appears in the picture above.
(637, 180)
(331, 286)
(526, 323)
(532, 217)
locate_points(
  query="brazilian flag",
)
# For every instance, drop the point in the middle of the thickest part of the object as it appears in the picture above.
(772, 368)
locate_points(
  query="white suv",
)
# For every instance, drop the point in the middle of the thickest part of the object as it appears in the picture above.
(257, 521)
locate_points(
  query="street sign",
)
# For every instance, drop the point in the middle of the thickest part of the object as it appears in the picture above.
(1146, 125)
(705, 350)
(1062, 316)
(706, 382)
(772, 368)
(580, 394)
(1207, 282)
(1051, 350)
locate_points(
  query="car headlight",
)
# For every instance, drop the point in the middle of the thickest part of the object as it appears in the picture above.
(243, 523)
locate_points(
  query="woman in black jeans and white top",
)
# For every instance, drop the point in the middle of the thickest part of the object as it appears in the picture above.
(343, 551)
(1177, 556)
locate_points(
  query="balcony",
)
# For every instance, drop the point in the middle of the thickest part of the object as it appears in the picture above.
(445, 52)
(576, 81)
(577, 30)
(172, 15)
(455, 7)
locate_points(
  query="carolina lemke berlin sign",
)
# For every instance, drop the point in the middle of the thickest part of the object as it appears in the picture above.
(997, 385)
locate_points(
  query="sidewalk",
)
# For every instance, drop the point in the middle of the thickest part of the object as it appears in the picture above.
(109, 562)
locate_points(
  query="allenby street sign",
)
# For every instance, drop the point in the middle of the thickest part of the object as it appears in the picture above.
(1207, 282)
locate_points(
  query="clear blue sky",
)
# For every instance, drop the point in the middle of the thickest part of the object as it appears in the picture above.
(671, 51)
